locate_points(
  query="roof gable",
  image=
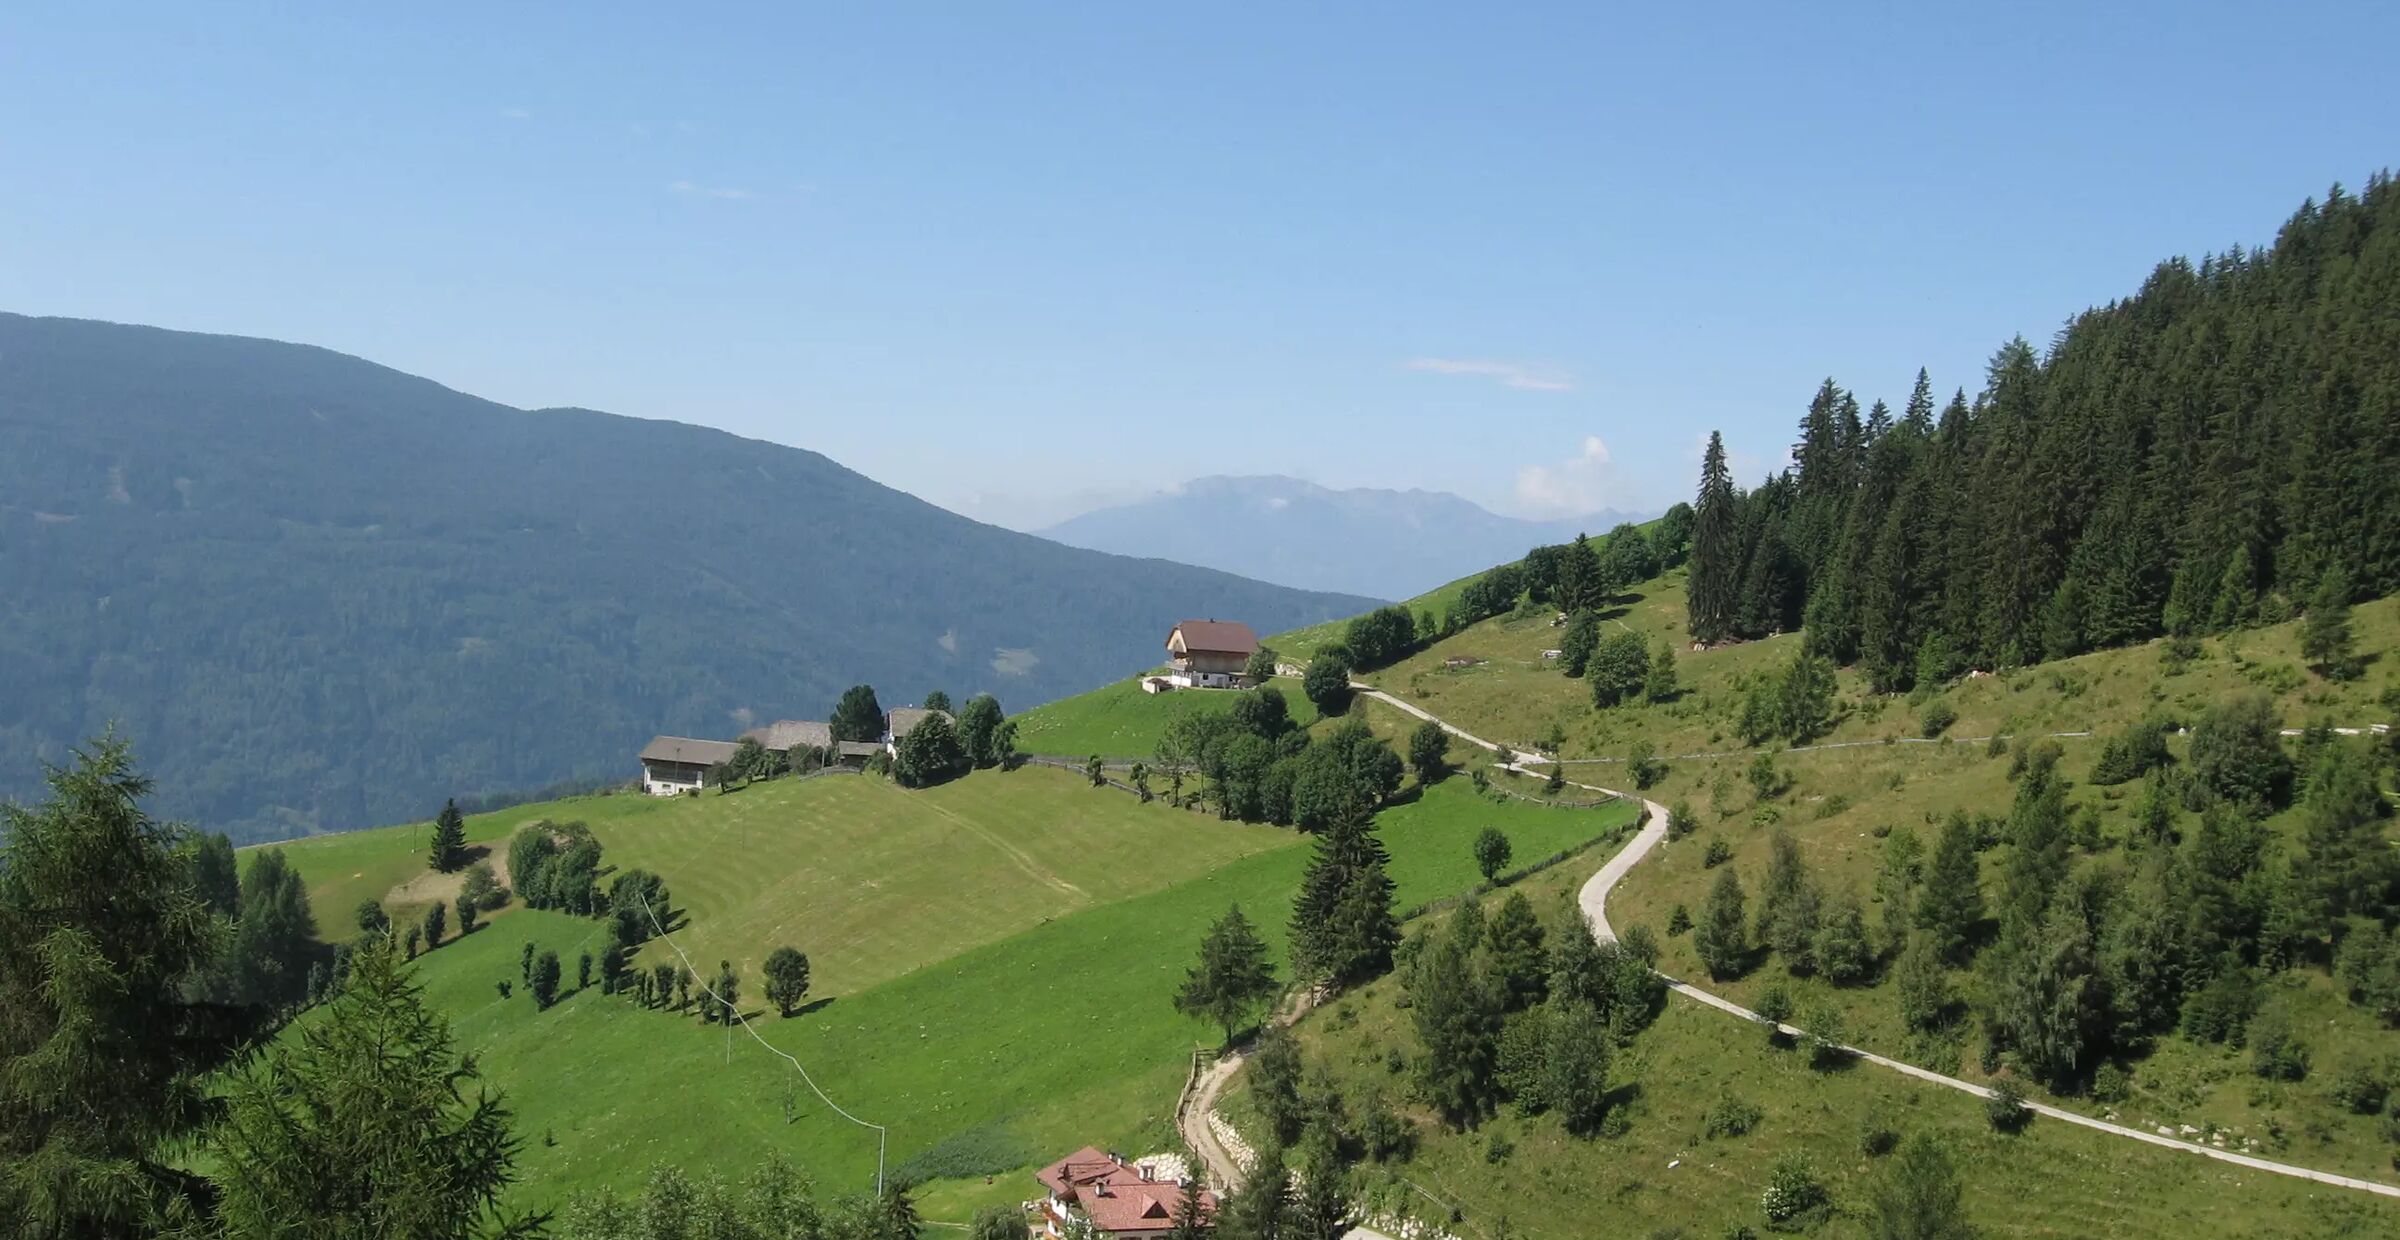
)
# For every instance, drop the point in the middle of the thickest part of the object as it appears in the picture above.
(1214, 636)
(687, 750)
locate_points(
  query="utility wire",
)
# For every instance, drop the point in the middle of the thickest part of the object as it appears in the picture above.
(881, 1133)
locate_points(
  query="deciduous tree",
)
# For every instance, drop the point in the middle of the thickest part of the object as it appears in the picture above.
(1492, 851)
(787, 979)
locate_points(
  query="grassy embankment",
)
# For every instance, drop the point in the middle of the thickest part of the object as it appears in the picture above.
(1844, 801)
(1665, 1177)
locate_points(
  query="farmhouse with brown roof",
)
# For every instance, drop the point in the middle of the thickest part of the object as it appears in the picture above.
(1209, 654)
(1121, 1200)
(674, 765)
(903, 721)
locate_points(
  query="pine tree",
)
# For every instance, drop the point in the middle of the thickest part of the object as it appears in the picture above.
(1843, 952)
(2050, 999)
(1513, 946)
(1575, 1067)
(360, 1126)
(1583, 583)
(104, 1054)
(2325, 636)
(1191, 1221)
(1788, 906)
(1950, 904)
(2350, 869)
(1257, 1210)
(2037, 832)
(1721, 938)
(1713, 596)
(1457, 1012)
(543, 982)
(1320, 1206)
(857, 716)
(1660, 683)
(1233, 976)
(1342, 926)
(1923, 983)
(449, 849)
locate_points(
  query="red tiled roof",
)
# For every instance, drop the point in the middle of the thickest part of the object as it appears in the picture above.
(1115, 1196)
(1216, 636)
(1081, 1167)
(1137, 1208)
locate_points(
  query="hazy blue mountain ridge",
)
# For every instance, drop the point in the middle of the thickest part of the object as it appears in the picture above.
(320, 593)
(1384, 543)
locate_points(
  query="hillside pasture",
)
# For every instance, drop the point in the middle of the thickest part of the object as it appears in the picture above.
(1059, 1034)
(1120, 721)
(870, 879)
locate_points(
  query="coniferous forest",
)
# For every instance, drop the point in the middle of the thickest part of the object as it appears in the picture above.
(2218, 449)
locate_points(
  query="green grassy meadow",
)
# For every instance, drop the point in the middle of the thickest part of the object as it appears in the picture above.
(1121, 721)
(960, 989)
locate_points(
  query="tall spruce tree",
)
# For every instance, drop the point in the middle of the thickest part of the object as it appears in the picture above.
(449, 848)
(1950, 903)
(1342, 924)
(1716, 574)
(1457, 1010)
(103, 1057)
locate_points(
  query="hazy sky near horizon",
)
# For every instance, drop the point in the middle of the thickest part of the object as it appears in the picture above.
(1021, 260)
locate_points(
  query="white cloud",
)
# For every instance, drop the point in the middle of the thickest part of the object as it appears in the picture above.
(706, 191)
(1506, 374)
(1582, 483)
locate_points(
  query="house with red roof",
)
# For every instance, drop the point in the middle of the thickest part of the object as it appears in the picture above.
(1122, 1200)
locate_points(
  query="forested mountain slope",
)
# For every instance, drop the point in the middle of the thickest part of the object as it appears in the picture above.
(320, 593)
(2214, 451)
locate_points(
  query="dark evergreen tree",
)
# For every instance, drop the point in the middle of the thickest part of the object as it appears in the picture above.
(103, 1057)
(1715, 587)
(363, 1126)
(1342, 925)
(1722, 936)
(1233, 977)
(1789, 908)
(1583, 583)
(1458, 1013)
(1950, 903)
(1513, 944)
(449, 848)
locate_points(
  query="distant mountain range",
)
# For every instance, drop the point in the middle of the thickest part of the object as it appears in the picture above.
(319, 594)
(1388, 544)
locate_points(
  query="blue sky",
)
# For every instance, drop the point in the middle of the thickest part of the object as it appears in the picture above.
(1023, 259)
